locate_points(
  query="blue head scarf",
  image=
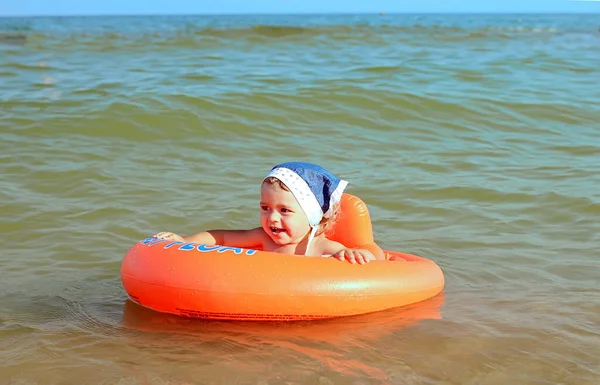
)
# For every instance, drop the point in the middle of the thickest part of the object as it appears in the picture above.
(316, 189)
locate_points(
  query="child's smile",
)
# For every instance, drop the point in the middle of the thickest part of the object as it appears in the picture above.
(281, 216)
(276, 230)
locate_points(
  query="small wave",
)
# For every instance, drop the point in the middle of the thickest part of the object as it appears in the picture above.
(278, 31)
(382, 69)
(13, 38)
(197, 77)
(39, 67)
(209, 36)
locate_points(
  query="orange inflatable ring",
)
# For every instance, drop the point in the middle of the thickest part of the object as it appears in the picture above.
(218, 282)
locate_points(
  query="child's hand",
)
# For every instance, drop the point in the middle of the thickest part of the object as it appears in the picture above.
(354, 256)
(169, 237)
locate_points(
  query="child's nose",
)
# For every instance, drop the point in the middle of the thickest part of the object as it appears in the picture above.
(274, 216)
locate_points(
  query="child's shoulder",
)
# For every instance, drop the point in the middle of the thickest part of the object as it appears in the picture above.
(323, 246)
(258, 234)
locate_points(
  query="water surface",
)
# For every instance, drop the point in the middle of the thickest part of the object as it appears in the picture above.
(474, 139)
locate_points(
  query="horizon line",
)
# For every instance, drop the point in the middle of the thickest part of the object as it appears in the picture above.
(379, 13)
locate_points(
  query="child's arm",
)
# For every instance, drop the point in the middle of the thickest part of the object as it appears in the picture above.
(233, 238)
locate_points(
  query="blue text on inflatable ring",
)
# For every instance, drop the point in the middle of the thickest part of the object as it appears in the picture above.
(151, 241)
(204, 248)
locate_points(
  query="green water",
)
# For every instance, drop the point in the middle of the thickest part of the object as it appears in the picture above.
(474, 139)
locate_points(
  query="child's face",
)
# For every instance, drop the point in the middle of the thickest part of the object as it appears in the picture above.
(281, 216)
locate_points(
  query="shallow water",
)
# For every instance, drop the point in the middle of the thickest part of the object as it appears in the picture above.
(474, 139)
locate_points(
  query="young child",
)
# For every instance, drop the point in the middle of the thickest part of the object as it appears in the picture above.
(298, 200)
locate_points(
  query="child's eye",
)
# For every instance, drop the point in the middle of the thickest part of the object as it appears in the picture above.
(264, 208)
(284, 210)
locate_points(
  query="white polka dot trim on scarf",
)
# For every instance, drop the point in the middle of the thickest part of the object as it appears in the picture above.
(336, 196)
